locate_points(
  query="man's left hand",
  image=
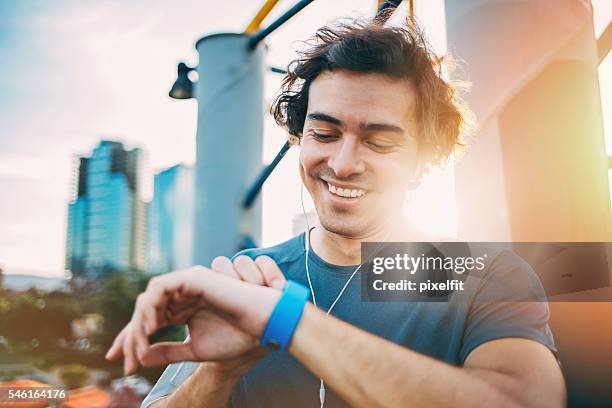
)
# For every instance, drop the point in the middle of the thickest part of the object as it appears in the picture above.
(195, 295)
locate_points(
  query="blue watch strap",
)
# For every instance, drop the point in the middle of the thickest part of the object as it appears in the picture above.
(285, 316)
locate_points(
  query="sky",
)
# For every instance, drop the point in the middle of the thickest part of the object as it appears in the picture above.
(75, 72)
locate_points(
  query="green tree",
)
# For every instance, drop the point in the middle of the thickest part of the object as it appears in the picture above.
(38, 318)
(23, 316)
(59, 312)
(74, 375)
(115, 302)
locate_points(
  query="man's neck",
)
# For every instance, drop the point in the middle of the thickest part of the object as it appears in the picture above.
(340, 250)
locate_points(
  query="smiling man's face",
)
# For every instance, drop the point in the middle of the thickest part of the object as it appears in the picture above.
(358, 151)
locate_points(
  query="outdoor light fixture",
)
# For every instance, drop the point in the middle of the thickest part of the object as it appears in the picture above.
(182, 87)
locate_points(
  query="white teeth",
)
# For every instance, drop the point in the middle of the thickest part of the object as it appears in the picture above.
(345, 192)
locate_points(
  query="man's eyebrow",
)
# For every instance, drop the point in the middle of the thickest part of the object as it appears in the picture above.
(381, 127)
(324, 118)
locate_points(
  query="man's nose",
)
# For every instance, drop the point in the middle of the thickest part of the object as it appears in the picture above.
(345, 159)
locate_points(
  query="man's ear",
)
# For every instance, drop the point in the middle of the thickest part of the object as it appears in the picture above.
(294, 140)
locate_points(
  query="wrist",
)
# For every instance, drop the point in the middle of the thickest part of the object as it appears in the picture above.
(285, 316)
(219, 373)
(303, 331)
(231, 370)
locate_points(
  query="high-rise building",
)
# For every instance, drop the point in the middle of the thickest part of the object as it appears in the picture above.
(170, 215)
(107, 213)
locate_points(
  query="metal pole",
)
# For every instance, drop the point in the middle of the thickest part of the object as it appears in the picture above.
(263, 176)
(229, 143)
(388, 4)
(260, 35)
(260, 16)
(277, 70)
(385, 10)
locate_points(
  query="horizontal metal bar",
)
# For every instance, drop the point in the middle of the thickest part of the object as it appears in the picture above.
(260, 35)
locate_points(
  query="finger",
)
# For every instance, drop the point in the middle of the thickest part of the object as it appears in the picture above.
(224, 265)
(161, 288)
(183, 316)
(273, 276)
(230, 297)
(166, 353)
(143, 320)
(137, 345)
(159, 293)
(132, 349)
(115, 351)
(179, 297)
(181, 301)
(187, 303)
(128, 352)
(248, 270)
(148, 318)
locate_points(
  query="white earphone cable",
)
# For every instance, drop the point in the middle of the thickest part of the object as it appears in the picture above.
(314, 300)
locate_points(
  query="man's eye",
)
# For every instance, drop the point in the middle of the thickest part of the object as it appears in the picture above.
(324, 137)
(381, 146)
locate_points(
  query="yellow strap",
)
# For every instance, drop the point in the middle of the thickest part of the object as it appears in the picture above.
(411, 14)
(260, 16)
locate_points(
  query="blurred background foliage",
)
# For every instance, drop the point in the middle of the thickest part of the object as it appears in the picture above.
(37, 327)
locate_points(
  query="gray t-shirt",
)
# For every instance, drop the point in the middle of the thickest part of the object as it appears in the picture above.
(447, 331)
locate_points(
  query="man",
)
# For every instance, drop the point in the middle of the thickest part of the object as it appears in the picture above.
(372, 115)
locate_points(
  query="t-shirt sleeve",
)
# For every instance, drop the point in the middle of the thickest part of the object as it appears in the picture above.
(509, 302)
(173, 376)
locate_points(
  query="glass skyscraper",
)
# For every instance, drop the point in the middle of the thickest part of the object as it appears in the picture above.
(107, 214)
(170, 226)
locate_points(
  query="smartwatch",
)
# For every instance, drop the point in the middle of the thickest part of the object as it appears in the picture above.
(285, 316)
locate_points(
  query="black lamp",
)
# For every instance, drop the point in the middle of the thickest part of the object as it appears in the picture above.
(182, 87)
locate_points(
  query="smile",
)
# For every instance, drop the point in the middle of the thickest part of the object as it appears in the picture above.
(345, 192)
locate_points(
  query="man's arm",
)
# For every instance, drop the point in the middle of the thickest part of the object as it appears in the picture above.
(369, 371)
(362, 368)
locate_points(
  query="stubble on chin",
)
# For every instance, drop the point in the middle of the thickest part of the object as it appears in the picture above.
(335, 224)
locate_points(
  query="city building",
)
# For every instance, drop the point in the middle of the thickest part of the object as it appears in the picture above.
(107, 212)
(170, 225)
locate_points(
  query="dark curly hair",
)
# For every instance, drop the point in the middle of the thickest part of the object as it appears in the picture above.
(400, 52)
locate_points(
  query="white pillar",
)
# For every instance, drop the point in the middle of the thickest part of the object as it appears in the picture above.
(229, 143)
